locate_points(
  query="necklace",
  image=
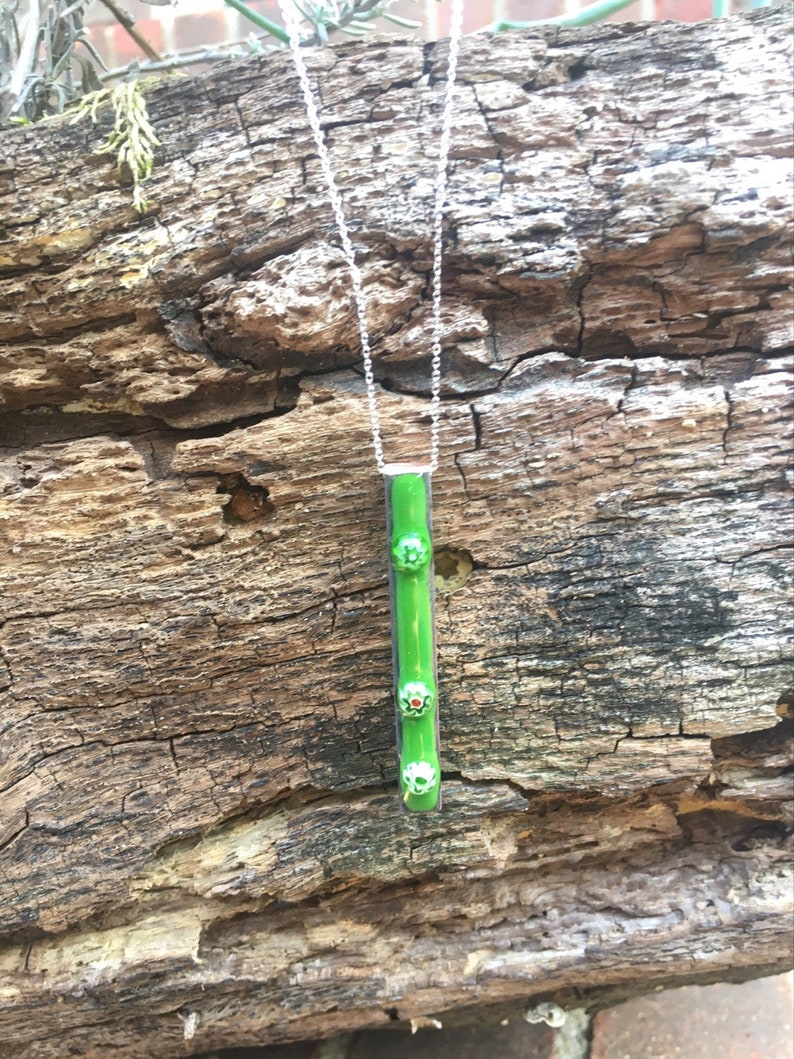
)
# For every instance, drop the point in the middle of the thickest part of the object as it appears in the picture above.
(407, 485)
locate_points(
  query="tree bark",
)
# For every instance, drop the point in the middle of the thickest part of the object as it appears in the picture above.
(199, 841)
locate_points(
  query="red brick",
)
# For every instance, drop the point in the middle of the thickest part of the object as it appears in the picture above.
(117, 47)
(516, 1040)
(194, 31)
(750, 1021)
(684, 10)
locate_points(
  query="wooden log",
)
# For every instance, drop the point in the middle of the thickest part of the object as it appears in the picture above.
(199, 842)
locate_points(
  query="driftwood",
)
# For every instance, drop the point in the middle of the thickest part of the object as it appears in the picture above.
(199, 842)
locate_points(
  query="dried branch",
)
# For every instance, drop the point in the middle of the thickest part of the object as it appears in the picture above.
(42, 70)
(125, 19)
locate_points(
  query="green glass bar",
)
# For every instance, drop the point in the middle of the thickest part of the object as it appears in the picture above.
(408, 519)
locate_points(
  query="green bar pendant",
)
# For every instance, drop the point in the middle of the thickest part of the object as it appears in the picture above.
(408, 523)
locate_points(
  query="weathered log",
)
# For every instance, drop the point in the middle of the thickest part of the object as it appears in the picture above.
(199, 836)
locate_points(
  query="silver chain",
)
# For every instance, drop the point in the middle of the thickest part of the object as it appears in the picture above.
(292, 23)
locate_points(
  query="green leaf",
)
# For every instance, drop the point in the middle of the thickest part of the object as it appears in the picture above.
(592, 13)
(259, 20)
(404, 23)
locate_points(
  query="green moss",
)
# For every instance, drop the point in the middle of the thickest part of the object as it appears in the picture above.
(132, 139)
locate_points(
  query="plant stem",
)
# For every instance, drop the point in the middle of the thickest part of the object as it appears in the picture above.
(272, 28)
(128, 22)
(26, 59)
(592, 13)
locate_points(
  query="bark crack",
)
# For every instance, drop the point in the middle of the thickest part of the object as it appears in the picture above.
(499, 157)
(728, 423)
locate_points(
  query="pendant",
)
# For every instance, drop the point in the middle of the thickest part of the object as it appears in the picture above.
(408, 523)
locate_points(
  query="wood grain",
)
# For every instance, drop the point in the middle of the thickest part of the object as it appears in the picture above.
(197, 763)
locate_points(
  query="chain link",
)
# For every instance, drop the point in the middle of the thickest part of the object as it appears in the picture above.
(292, 23)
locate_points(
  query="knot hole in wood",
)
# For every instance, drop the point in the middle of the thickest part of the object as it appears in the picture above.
(247, 503)
(453, 568)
